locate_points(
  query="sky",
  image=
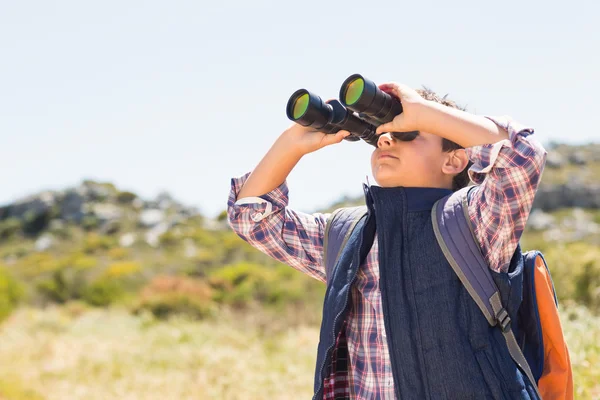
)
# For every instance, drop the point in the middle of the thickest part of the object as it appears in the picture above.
(184, 95)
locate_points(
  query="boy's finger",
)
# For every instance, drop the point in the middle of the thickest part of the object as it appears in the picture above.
(338, 137)
(387, 127)
(391, 88)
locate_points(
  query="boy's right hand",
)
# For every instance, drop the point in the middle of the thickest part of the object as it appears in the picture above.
(306, 139)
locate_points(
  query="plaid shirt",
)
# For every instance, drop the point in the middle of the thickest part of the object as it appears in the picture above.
(507, 174)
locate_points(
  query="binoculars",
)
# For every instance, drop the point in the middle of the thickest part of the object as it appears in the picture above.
(362, 109)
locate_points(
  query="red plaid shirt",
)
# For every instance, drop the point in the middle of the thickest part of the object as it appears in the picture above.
(507, 174)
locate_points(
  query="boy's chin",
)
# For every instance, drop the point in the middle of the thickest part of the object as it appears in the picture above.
(388, 181)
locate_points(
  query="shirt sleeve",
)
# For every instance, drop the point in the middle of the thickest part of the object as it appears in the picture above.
(268, 224)
(507, 174)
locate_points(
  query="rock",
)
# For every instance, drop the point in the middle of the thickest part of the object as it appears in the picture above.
(106, 212)
(56, 225)
(571, 194)
(44, 242)
(152, 217)
(164, 201)
(554, 160)
(189, 248)
(31, 206)
(539, 220)
(110, 227)
(95, 191)
(138, 203)
(127, 240)
(577, 158)
(71, 208)
(153, 235)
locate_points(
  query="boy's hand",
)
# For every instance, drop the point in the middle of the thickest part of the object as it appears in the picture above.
(306, 139)
(412, 103)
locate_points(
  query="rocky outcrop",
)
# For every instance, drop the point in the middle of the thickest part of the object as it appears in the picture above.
(98, 206)
(554, 197)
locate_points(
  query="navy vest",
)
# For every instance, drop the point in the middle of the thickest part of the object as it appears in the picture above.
(441, 346)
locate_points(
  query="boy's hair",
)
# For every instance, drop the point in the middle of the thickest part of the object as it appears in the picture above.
(462, 179)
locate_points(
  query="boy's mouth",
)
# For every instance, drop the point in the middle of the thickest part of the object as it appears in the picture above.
(385, 154)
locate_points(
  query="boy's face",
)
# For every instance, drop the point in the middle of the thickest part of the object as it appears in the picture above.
(417, 163)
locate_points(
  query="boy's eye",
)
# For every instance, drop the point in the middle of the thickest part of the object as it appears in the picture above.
(405, 136)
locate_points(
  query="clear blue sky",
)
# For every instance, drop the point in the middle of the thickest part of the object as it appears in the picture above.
(182, 95)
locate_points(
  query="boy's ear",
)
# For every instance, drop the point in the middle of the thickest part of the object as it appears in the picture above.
(455, 162)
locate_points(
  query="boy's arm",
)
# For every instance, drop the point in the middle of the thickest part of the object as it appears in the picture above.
(507, 167)
(257, 205)
(508, 174)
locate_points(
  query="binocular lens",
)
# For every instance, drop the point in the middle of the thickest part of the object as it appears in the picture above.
(300, 106)
(354, 90)
(363, 96)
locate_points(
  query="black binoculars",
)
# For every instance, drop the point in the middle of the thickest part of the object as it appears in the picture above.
(362, 109)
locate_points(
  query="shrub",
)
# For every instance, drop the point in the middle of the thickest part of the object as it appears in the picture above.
(122, 269)
(222, 216)
(90, 222)
(118, 253)
(94, 242)
(243, 284)
(34, 223)
(63, 285)
(9, 227)
(166, 296)
(575, 270)
(113, 284)
(11, 292)
(126, 197)
(103, 292)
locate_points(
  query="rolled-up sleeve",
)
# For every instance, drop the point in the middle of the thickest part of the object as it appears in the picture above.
(507, 174)
(268, 224)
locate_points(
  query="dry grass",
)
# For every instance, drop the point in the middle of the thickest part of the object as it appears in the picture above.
(72, 353)
(113, 355)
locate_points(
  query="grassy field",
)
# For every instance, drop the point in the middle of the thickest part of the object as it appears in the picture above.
(75, 353)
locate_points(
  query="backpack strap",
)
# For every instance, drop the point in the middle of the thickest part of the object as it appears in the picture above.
(340, 225)
(456, 238)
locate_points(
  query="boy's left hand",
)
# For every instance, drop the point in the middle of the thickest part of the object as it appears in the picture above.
(412, 103)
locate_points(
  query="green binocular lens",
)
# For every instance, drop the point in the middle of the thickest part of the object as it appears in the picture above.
(354, 91)
(363, 96)
(308, 109)
(300, 106)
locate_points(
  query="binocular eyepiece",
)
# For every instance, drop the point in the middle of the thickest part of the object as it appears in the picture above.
(362, 109)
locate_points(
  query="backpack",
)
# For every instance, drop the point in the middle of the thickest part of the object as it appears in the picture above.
(538, 345)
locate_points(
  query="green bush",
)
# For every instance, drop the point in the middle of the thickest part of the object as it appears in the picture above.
(166, 296)
(95, 243)
(11, 292)
(111, 286)
(575, 270)
(90, 222)
(63, 285)
(9, 227)
(243, 284)
(103, 292)
(126, 197)
(222, 216)
(34, 223)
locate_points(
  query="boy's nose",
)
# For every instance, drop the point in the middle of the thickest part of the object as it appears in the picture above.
(385, 140)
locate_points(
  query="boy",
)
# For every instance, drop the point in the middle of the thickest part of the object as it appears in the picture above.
(410, 329)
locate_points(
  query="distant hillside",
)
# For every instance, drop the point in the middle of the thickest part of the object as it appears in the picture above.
(98, 244)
